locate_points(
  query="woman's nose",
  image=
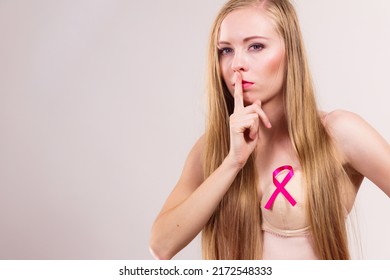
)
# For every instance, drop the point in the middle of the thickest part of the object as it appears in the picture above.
(239, 63)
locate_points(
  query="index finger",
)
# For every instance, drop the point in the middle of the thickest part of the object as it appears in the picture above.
(238, 95)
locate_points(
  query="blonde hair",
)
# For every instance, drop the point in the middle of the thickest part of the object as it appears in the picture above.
(234, 230)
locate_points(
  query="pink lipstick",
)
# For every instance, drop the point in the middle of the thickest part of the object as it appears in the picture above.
(246, 84)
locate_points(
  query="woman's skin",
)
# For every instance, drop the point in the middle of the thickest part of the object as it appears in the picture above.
(251, 50)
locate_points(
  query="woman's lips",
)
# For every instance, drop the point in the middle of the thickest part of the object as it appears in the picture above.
(246, 84)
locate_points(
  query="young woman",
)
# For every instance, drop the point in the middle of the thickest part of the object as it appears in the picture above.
(272, 177)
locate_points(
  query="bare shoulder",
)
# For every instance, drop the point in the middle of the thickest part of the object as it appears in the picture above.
(349, 130)
(197, 149)
(360, 145)
(193, 168)
(341, 123)
(191, 177)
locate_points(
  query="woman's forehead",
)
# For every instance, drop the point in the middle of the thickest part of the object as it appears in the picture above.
(247, 22)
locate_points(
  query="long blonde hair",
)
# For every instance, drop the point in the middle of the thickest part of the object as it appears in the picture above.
(234, 230)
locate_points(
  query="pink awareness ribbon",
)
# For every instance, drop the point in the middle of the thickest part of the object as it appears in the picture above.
(280, 186)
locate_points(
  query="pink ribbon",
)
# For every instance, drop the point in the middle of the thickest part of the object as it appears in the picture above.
(280, 186)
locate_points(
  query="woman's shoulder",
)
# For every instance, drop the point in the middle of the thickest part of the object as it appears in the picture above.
(337, 119)
(360, 145)
(345, 126)
(348, 131)
(198, 147)
(195, 157)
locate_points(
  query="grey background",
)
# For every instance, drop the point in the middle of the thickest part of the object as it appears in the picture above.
(100, 102)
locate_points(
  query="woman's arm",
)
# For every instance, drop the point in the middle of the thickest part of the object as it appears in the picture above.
(192, 202)
(362, 147)
(190, 205)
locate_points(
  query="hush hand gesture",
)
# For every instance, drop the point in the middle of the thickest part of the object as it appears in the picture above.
(244, 125)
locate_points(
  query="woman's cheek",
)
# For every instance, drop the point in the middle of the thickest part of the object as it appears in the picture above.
(275, 63)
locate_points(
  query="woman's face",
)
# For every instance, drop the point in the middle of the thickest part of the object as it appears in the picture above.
(249, 43)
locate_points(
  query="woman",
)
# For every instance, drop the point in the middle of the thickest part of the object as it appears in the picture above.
(272, 177)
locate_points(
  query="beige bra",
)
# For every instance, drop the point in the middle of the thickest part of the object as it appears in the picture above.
(283, 218)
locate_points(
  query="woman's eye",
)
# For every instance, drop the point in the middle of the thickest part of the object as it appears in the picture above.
(225, 51)
(257, 47)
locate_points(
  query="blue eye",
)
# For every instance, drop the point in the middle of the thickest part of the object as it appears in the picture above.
(257, 47)
(225, 51)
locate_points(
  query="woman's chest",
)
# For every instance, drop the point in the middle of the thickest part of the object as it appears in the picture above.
(282, 197)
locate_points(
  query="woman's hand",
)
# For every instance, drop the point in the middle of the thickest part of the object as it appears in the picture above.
(244, 125)
(178, 223)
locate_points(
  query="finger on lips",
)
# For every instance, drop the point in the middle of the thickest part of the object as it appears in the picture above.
(239, 102)
(238, 95)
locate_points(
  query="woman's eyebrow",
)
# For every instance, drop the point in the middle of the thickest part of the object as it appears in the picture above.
(245, 40)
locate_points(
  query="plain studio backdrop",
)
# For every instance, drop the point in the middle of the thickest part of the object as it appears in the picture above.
(101, 101)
